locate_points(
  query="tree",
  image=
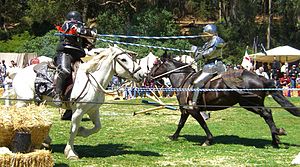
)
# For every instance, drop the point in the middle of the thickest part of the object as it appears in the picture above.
(43, 46)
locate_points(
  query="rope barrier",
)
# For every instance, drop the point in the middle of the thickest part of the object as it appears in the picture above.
(208, 90)
(174, 105)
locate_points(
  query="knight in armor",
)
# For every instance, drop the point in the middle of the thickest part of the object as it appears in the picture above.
(210, 54)
(70, 49)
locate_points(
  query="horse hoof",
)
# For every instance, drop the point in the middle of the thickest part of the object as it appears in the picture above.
(67, 115)
(173, 138)
(275, 145)
(46, 146)
(281, 131)
(73, 157)
(205, 144)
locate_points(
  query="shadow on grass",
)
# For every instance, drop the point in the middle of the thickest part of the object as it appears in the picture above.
(233, 139)
(61, 165)
(103, 150)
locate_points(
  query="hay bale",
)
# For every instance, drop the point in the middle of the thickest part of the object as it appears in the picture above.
(6, 128)
(41, 158)
(32, 119)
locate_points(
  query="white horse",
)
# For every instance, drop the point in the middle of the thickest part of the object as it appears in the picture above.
(89, 88)
(186, 59)
(147, 63)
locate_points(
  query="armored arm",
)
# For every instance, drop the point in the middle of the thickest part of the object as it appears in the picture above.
(210, 49)
(83, 31)
(88, 37)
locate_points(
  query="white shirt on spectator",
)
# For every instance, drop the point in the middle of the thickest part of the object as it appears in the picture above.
(260, 72)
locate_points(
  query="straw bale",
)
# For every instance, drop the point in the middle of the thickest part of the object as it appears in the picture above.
(6, 128)
(33, 119)
(40, 158)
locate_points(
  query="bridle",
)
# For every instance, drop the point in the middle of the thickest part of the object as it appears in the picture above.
(124, 67)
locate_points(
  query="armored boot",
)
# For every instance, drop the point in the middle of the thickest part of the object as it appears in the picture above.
(57, 99)
(63, 62)
(199, 83)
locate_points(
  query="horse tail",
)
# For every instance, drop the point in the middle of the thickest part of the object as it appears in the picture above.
(282, 100)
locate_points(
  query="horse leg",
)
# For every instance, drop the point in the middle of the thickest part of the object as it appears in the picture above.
(209, 137)
(23, 103)
(94, 116)
(183, 118)
(267, 115)
(69, 149)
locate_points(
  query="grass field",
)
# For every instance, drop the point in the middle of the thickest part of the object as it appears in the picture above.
(241, 138)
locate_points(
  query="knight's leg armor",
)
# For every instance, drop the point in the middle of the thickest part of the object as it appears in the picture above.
(63, 62)
(199, 83)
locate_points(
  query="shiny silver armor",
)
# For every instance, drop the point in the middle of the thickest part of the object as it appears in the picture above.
(211, 53)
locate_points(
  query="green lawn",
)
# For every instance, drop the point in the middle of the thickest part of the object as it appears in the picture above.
(241, 138)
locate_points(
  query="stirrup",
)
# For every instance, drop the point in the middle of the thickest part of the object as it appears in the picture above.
(204, 115)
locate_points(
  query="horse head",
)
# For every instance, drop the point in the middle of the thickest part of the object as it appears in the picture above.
(160, 66)
(125, 66)
(167, 66)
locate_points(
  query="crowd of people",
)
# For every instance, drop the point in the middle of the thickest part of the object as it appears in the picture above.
(129, 90)
(3, 72)
(285, 75)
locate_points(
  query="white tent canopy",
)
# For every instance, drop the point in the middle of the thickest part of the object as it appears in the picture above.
(282, 54)
(20, 58)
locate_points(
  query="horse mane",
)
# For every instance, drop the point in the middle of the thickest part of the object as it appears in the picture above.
(177, 63)
(92, 65)
(180, 64)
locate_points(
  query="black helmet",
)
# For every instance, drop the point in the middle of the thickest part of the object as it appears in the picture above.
(74, 15)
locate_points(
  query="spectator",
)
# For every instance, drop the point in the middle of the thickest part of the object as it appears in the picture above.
(276, 82)
(284, 68)
(266, 68)
(276, 68)
(260, 71)
(285, 80)
(34, 61)
(3, 69)
(167, 84)
(284, 83)
(127, 94)
(298, 85)
(13, 64)
(115, 84)
(293, 73)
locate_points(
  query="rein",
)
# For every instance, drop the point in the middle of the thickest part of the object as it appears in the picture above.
(99, 85)
(169, 72)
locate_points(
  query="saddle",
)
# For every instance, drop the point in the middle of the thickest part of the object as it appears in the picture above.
(232, 79)
(45, 81)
